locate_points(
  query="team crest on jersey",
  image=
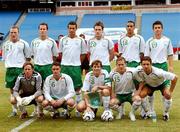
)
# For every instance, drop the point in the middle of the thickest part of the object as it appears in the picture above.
(124, 43)
(154, 44)
(66, 42)
(32, 83)
(93, 44)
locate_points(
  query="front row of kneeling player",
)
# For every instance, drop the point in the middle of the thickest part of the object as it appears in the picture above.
(58, 90)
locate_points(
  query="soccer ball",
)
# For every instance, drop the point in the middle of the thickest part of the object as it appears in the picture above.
(107, 116)
(89, 116)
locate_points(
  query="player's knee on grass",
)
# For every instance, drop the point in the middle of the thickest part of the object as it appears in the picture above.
(40, 99)
(71, 102)
(105, 92)
(45, 103)
(81, 106)
(166, 94)
(137, 100)
(143, 93)
(13, 100)
(113, 102)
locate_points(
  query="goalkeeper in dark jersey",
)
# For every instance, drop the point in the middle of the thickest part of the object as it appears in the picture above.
(27, 90)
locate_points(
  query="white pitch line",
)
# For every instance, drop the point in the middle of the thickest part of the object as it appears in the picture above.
(23, 125)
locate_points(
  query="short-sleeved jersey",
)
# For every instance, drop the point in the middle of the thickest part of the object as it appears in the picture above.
(26, 87)
(15, 54)
(155, 78)
(131, 47)
(71, 49)
(58, 89)
(91, 80)
(99, 50)
(159, 49)
(43, 51)
(123, 83)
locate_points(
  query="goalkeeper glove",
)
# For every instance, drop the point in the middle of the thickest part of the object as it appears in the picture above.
(27, 100)
(19, 101)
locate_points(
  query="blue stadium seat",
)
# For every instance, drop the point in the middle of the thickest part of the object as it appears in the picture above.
(109, 20)
(57, 25)
(171, 23)
(7, 19)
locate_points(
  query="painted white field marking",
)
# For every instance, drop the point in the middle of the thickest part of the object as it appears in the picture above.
(23, 125)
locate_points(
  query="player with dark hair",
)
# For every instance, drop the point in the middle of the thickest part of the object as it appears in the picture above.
(95, 85)
(73, 50)
(152, 79)
(58, 92)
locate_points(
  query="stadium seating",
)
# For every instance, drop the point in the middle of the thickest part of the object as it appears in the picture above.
(109, 20)
(7, 19)
(57, 25)
(171, 23)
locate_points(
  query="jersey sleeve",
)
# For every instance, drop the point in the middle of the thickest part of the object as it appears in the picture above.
(27, 50)
(142, 45)
(38, 85)
(83, 47)
(46, 89)
(16, 87)
(120, 48)
(32, 48)
(86, 83)
(88, 45)
(54, 48)
(3, 52)
(70, 88)
(110, 44)
(138, 74)
(147, 49)
(61, 41)
(170, 48)
(168, 75)
(107, 81)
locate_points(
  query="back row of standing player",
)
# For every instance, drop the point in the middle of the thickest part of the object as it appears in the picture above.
(73, 49)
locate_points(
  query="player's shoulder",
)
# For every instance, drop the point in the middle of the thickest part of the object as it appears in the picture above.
(165, 38)
(50, 77)
(157, 70)
(122, 36)
(6, 42)
(22, 75)
(36, 74)
(105, 72)
(89, 74)
(113, 72)
(106, 38)
(79, 38)
(64, 38)
(130, 69)
(92, 39)
(51, 40)
(150, 39)
(138, 36)
(36, 39)
(65, 76)
(138, 69)
(23, 41)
